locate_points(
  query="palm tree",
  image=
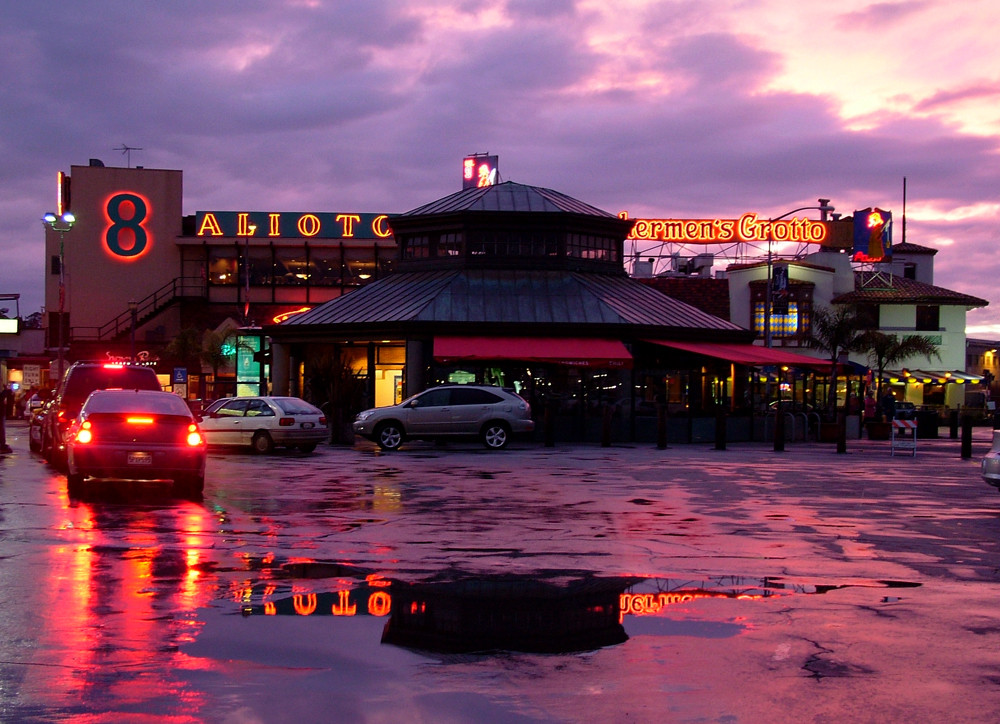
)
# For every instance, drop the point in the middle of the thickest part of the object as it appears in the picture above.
(885, 350)
(835, 332)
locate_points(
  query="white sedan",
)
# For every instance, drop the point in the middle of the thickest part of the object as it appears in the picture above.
(991, 462)
(262, 423)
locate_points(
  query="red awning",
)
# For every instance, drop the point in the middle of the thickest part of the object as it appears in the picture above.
(572, 351)
(748, 355)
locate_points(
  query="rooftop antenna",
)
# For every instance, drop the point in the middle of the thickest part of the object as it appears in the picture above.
(904, 209)
(127, 152)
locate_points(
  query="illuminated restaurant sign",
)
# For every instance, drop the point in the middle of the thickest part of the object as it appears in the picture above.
(243, 224)
(479, 170)
(748, 228)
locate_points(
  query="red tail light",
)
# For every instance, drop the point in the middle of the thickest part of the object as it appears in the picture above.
(194, 438)
(286, 421)
(322, 421)
(85, 434)
(139, 420)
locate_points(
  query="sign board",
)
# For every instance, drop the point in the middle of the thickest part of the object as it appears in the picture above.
(31, 375)
(179, 376)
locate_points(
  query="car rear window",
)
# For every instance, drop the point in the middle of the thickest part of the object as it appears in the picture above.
(84, 380)
(295, 406)
(163, 403)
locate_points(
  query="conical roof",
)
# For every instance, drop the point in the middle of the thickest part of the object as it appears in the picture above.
(508, 197)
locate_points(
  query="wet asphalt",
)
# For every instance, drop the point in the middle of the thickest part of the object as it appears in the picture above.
(755, 585)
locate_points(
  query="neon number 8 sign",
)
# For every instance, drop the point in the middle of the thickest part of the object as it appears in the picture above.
(126, 236)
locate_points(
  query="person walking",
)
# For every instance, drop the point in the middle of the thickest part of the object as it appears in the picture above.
(6, 400)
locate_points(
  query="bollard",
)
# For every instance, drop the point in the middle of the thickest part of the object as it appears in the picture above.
(720, 429)
(779, 430)
(966, 437)
(661, 426)
(841, 433)
(549, 425)
(606, 426)
(953, 424)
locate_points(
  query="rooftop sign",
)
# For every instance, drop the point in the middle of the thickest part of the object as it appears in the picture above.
(748, 228)
(266, 224)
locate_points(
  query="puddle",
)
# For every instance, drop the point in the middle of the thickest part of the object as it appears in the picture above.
(551, 612)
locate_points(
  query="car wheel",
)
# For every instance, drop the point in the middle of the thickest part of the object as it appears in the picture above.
(389, 435)
(262, 443)
(190, 487)
(496, 435)
(308, 448)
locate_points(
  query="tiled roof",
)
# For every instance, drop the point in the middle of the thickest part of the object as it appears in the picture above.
(911, 248)
(511, 297)
(508, 196)
(707, 294)
(868, 289)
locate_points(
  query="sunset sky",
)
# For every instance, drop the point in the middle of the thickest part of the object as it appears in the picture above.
(687, 109)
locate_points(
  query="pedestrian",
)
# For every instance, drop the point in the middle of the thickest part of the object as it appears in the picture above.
(6, 399)
(888, 405)
(870, 405)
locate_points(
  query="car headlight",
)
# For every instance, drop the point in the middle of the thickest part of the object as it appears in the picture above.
(362, 416)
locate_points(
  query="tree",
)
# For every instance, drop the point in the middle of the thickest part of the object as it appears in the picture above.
(835, 331)
(336, 389)
(185, 349)
(885, 350)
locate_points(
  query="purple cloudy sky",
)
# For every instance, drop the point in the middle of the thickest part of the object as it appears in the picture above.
(686, 109)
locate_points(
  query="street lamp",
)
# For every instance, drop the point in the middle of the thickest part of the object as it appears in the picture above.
(61, 224)
(825, 208)
(132, 307)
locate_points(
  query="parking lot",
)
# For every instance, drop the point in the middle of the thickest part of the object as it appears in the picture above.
(755, 584)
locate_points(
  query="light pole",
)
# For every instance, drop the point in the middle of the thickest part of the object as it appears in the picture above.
(825, 208)
(132, 307)
(61, 224)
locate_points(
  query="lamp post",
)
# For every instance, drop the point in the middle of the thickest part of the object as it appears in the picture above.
(132, 307)
(61, 224)
(825, 208)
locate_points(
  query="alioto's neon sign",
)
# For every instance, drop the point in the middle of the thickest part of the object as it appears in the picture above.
(748, 228)
(292, 225)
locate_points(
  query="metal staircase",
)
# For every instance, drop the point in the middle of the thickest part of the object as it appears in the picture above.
(146, 309)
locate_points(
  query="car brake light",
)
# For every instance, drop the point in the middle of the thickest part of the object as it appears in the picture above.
(322, 421)
(113, 366)
(194, 438)
(139, 420)
(85, 434)
(286, 421)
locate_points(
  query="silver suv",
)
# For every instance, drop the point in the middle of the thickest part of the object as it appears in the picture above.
(492, 414)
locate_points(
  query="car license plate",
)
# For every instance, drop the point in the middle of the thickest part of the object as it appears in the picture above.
(306, 425)
(140, 458)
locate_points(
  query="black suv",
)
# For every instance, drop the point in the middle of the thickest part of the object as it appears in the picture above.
(80, 380)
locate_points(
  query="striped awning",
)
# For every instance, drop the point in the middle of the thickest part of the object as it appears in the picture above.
(930, 377)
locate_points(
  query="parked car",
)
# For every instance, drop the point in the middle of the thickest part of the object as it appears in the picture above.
(35, 421)
(991, 462)
(261, 423)
(493, 414)
(80, 380)
(136, 435)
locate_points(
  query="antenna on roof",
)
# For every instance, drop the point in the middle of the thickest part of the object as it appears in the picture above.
(904, 210)
(127, 152)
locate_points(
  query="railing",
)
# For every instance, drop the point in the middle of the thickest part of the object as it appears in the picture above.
(145, 308)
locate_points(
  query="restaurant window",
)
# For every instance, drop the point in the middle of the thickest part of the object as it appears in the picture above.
(291, 266)
(928, 318)
(359, 265)
(222, 266)
(326, 265)
(261, 265)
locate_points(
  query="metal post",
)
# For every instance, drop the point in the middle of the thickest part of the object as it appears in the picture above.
(132, 307)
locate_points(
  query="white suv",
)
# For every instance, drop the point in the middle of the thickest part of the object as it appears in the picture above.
(492, 414)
